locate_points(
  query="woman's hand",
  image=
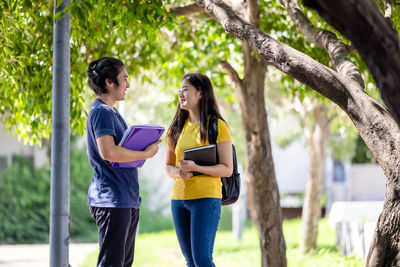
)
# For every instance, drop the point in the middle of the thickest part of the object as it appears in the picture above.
(185, 175)
(187, 165)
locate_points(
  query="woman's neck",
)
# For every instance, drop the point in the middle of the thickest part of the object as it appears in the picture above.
(194, 116)
(107, 99)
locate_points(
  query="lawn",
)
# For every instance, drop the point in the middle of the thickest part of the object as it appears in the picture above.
(162, 249)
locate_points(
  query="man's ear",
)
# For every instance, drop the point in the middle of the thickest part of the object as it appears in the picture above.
(108, 82)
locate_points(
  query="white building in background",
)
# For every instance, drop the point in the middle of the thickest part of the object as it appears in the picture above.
(343, 182)
(10, 146)
(291, 167)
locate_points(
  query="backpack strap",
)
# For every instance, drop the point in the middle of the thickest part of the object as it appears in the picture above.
(212, 129)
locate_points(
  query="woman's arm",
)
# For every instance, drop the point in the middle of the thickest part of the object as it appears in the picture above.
(223, 169)
(109, 151)
(170, 163)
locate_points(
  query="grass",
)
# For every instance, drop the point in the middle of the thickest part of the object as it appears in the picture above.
(326, 254)
(162, 249)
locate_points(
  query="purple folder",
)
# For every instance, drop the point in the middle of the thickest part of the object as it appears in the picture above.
(138, 137)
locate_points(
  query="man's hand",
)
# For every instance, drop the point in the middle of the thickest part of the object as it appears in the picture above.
(152, 149)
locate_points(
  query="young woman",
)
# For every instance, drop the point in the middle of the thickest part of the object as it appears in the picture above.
(196, 200)
(114, 192)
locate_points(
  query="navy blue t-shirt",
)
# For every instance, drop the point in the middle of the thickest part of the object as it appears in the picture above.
(110, 187)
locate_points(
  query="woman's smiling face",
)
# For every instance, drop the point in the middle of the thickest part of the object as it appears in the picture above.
(189, 96)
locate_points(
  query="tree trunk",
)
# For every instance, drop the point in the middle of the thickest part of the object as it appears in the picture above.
(318, 136)
(262, 194)
(260, 175)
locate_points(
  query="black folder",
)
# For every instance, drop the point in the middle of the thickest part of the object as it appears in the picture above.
(202, 155)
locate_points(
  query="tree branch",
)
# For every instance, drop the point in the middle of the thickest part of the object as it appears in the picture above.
(283, 57)
(325, 40)
(232, 73)
(344, 92)
(186, 10)
(359, 22)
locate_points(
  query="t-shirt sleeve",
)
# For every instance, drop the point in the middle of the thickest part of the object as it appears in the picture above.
(223, 132)
(103, 122)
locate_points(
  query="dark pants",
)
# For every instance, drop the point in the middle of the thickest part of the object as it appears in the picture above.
(196, 222)
(117, 232)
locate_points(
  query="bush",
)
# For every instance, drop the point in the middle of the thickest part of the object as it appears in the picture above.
(153, 218)
(82, 225)
(25, 200)
(153, 221)
(225, 223)
(24, 203)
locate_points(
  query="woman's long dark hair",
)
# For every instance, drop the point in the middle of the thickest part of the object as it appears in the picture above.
(208, 107)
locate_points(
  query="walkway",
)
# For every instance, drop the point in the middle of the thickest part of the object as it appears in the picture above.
(38, 255)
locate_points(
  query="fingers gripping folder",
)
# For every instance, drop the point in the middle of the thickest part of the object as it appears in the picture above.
(138, 137)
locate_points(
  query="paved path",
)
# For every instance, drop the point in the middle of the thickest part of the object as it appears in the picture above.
(38, 255)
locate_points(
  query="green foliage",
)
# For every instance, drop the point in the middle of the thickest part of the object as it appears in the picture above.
(287, 137)
(343, 136)
(82, 225)
(25, 30)
(152, 221)
(153, 218)
(125, 29)
(225, 222)
(362, 152)
(25, 200)
(235, 126)
(24, 203)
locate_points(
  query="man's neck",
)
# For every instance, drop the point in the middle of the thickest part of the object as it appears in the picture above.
(107, 100)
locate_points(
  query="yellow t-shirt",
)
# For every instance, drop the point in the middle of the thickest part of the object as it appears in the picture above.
(200, 186)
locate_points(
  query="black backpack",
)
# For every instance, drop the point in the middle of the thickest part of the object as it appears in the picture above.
(230, 185)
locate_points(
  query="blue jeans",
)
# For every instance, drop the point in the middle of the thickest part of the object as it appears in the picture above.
(196, 222)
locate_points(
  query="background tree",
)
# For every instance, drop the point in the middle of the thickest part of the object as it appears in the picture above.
(316, 128)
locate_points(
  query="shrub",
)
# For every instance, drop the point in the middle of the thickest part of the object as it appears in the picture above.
(225, 223)
(24, 203)
(25, 200)
(82, 225)
(153, 218)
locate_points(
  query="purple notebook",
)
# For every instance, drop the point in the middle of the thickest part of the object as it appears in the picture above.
(138, 137)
